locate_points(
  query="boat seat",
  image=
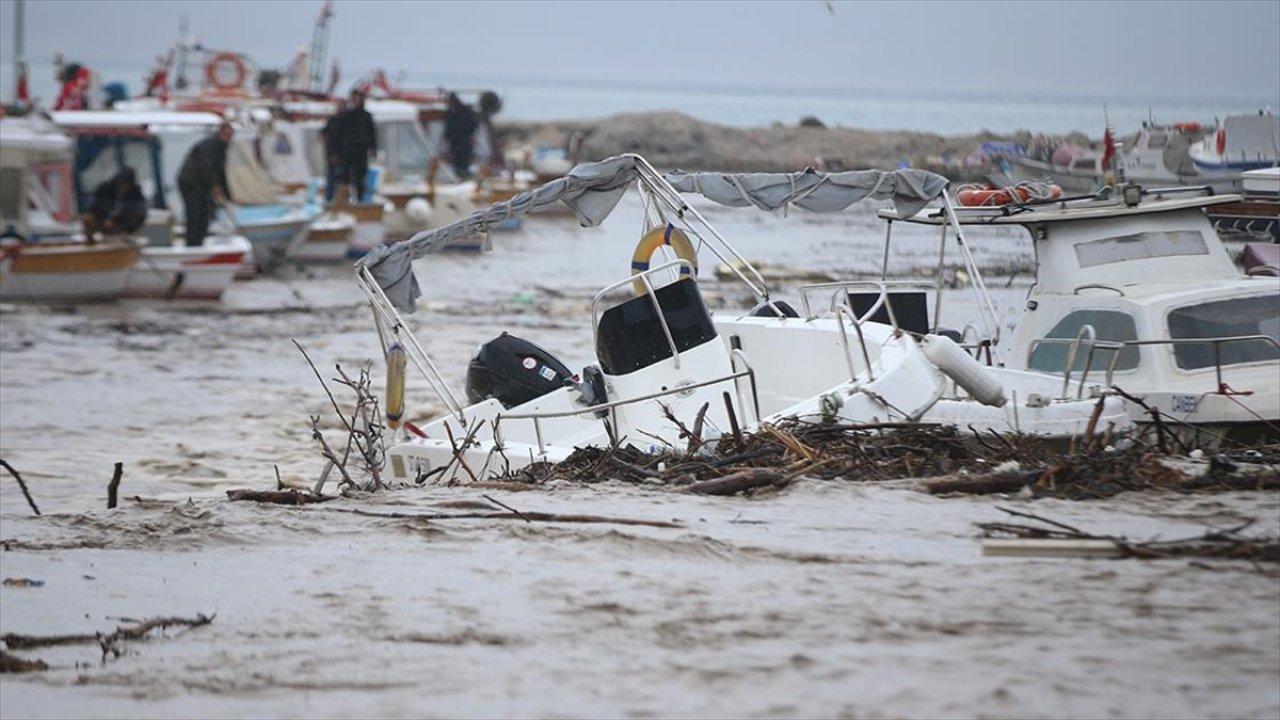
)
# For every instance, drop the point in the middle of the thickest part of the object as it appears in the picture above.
(911, 308)
(629, 336)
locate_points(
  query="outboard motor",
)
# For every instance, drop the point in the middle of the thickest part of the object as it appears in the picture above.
(513, 371)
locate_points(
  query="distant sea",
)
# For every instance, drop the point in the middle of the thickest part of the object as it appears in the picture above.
(947, 111)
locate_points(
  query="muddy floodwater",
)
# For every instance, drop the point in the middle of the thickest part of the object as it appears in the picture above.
(827, 599)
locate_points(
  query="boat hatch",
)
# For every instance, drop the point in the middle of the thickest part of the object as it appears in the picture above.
(910, 309)
(631, 336)
(1141, 246)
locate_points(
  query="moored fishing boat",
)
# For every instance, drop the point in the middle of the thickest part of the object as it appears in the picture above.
(65, 271)
(202, 272)
(328, 238)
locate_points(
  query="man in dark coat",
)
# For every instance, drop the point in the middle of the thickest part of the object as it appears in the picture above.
(203, 182)
(357, 141)
(460, 124)
(117, 206)
(329, 136)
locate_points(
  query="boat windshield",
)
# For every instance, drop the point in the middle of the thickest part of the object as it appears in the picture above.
(1258, 315)
(1111, 325)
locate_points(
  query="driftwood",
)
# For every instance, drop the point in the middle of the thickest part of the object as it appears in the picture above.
(1051, 538)
(113, 487)
(277, 497)
(740, 481)
(14, 664)
(526, 516)
(109, 642)
(25, 493)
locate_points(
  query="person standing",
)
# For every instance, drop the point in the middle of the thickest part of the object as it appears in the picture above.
(202, 181)
(329, 136)
(357, 141)
(460, 124)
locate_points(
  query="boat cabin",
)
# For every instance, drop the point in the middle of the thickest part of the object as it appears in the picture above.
(36, 198)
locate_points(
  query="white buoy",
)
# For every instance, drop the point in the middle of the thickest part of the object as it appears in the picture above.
(961, 367)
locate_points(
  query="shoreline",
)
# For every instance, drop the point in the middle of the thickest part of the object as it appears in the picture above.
(678, 141)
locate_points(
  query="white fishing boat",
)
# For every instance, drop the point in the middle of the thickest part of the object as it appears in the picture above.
(1239, 143)
(328, 239)
(663, 359)
(178, 272)
(1137, 291)
(1157, 155)
(1257, 215)
(42, 256)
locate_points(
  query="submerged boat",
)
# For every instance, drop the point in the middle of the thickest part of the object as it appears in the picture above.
(1137, 291)
(664, 363)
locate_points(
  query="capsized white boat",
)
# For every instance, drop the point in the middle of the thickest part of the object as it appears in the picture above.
(1137, 291)
(662, 358)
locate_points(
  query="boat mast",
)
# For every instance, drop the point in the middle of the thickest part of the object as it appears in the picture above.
(19, 66)
(320, 46)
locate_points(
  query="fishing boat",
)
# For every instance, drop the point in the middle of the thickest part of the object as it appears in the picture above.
(1136, 290)
(664, 363)
(178, 272)
(42, 256)
(1155, 156)
(1257, 215)
(329, 238)
(1239, 143)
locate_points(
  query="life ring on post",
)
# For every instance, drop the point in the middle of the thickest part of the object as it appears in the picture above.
(225, 73)
(669, 236)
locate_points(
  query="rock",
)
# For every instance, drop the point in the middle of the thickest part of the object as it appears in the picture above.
(810, 121)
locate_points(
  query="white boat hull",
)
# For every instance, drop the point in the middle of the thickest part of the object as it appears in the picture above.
(189, 273)
(70, 272)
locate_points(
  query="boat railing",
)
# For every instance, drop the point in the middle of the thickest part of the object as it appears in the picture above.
(644, 278)
(1215, 342)
(386, 316)
(736, 357)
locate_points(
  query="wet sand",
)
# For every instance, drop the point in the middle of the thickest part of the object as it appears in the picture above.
(833, 599)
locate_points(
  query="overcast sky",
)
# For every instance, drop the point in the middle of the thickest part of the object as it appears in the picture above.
(1102, 48)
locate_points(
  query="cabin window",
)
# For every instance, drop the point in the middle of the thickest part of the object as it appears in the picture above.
(1113, 325)
(1157, 140)
(12, 183)
(1089, 164)
(1140, 246)
(1259, 315)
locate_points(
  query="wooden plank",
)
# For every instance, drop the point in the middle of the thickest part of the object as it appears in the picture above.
(1049, 547)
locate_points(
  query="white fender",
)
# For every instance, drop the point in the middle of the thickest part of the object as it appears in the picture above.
(964, 369)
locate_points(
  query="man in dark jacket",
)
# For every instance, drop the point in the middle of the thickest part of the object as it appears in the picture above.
(203, 182)
(117, 206)
(329, 136)
(356, 140)
(460, 124)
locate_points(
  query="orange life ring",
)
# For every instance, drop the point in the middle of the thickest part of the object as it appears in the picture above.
(977, 196)
(1222, 140)
(216, 70)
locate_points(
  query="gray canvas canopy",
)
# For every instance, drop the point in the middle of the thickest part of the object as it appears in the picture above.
(592, 191)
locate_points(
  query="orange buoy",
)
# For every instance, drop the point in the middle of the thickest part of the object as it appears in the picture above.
(225, 72)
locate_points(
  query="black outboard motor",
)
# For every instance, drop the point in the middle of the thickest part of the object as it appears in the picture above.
(513, 371)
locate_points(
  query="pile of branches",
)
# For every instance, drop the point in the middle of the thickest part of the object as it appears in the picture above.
(1224, 544)
(953, 460)
(363, 450)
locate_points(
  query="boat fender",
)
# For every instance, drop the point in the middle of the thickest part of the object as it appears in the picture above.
(961, 367)
(396, 362)
(668, 236)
